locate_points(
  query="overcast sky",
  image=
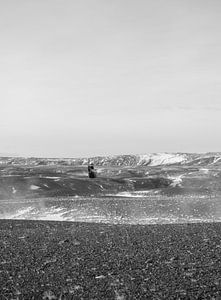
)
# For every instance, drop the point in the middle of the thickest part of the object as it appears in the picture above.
(97, 77)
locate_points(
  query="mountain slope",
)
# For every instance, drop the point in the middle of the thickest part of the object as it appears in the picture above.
(162, 173)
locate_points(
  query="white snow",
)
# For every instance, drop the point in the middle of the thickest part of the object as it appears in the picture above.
(127, 194)
(52, 217)
(85, 161)
(157, 159)
(216, 159)
(22, 213)
(177, 180)
(34, 187)
(50, 177)
(205, 171)
(133, 194)
(101, 186)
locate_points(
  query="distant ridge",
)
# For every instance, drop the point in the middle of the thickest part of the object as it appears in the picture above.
(167, 174)
(5, 154)
(151, 159)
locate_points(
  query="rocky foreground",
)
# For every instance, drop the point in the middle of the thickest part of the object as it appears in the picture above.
(64, 260)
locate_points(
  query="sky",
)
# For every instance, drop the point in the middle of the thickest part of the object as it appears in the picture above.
(100, 77)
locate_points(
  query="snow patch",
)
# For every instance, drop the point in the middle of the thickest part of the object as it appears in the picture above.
(51, 177)
(177, 180)
(161, 159)
(205, 171)
(216, 159)
(85, 161)
(134, 194)
(34, 187)
(53, 215)
(21, 213)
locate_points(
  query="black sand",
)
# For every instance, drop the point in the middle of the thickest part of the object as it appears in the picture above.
(64, 260)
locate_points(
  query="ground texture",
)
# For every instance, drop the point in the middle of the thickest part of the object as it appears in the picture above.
(64, 260)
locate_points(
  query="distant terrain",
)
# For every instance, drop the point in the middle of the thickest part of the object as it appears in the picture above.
(168, 174)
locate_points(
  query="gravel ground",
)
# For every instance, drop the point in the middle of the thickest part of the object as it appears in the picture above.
(65, 260)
